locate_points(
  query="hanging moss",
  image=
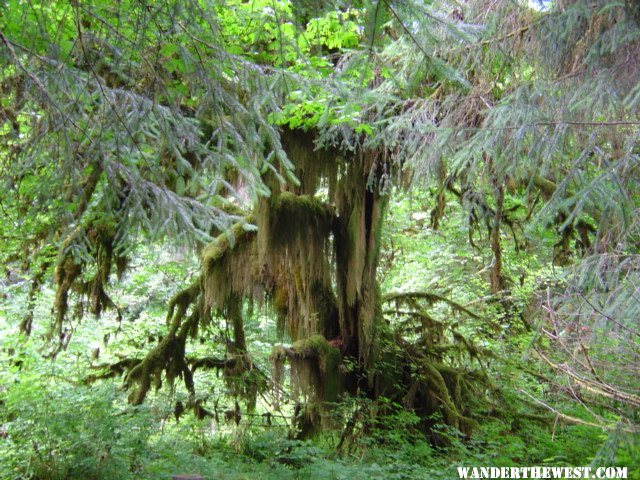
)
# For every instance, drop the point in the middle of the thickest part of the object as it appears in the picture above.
(66, 273)
(356, 243)
(113, 370)
(68, 277)
(225, 242)
(312, 165)
(293, 250)
(36, 282)
(307, 420)
(307, 211)
(438, 210)
(293, 268)
(329, 357)
(315, 368)
(325, 305)
(277, 358)
(229, 265)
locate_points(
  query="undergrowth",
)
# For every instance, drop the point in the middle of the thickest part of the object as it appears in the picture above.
(54, 427)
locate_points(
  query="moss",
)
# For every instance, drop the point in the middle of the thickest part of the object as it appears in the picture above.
(168, 355)
(225, 242)
(280, 353)
(299, 225)
(307, 420)
(356, 254)
(317, 348)
(181, 301)
(277, 357)
(312, 165)
(281, 299)
(445, 385)
(234, 314)
(304, 207)
(112, 370)
(100, 235)
(66, 274)
(293, 254)
(328, 356)
(229, 265)
(325, 305)
(122, 263)
(375, 237)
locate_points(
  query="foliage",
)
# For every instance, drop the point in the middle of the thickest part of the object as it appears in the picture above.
(406, 229)
(55, 429)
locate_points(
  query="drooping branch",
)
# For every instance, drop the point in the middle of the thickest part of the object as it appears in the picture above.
(430, 297)
(168, 355)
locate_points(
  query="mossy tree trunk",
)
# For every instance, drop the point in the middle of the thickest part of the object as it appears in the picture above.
(314, 259)
(354, 194)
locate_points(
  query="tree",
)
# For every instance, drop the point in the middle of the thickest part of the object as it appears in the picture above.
(271, 138)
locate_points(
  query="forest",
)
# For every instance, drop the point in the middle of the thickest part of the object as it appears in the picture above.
(304, 239)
